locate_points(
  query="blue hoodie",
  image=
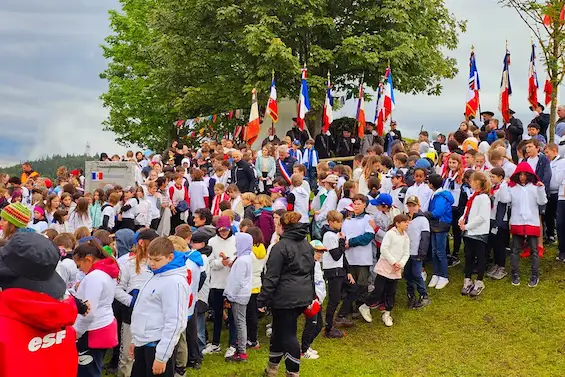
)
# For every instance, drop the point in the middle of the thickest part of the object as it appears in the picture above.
(124, 241)
(440, 207)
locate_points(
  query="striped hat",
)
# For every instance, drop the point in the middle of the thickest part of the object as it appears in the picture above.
(16, 214)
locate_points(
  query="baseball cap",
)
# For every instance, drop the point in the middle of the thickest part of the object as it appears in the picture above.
(129, 189)
(278, 189)
(332, 178)
(28, 261)
(413, 200)
(382, 200)
(399, 174)
(145, 234)
(349, 208)
(199, 237)
(318, 245)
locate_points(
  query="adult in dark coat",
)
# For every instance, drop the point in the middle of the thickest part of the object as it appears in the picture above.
(487, 116)
(514, 130)
(242, 174)
(272, 138)
(324, 145)
(347, 145)
(288, 288)
(391, 136)
(296, 134)
(542, 119)
(287, 161)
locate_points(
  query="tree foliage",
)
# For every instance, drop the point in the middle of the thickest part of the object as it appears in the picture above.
(551, 38)
(186, 58)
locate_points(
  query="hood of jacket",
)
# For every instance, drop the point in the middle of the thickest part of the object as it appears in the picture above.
(446, 195)
(124, 241)
(206, 250)
(301, 191)
(208, 230)
(177, 264)
(295, 232)
(243, 244)
(326, 228)
(418, 214)
(196, 257)
(107, 265)
(37, 310)
(523, 167)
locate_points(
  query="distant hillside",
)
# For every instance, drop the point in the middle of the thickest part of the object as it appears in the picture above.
(47, 167)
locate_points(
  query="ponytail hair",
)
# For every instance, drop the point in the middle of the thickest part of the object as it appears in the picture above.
(89, 246)
(141, 254)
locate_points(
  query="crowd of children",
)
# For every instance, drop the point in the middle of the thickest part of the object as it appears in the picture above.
(191, 240)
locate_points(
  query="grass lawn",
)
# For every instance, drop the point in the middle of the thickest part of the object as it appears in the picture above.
(507, 331)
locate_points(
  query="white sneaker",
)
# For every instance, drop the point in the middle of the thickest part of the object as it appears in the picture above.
(433, 281)
(387, 319)
(229, 352)
(310, 355)
(269, 330)
(442, 282)
(312, 350)
(365, 312)
(211, 348)
(424, 275)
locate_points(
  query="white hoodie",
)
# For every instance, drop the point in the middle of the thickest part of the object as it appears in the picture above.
(160, 313)
(238, 285)
(301, 201)
(218, 272)
(130, 279)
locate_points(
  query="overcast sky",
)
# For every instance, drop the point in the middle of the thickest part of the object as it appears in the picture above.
(50, 59)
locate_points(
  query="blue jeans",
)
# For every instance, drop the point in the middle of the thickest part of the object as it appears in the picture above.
(201, 329)
(414, 280)
(439, 256)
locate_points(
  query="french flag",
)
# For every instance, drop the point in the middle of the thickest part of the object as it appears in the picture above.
(272, 107)
(533, 80)
(327, 115)
(386, 104)
(303, 101)
(505, 88)
(473, 103)
(97, 175)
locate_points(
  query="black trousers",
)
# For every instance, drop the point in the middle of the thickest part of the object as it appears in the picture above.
(498, 243)
(456, 231)
(551, 214)
(155, 223)
(118, 314)
(217, 304)
(283, 340)
(252, 317)
(475, 250)
(175, 221)
(384, 287)
(192, 340)
(143, 364)
(128, 223)
(312, 328)
(362, 276)
(338, 286)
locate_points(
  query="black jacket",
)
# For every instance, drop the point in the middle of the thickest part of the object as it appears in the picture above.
(324, 144)
(243, 177)
(288, 163)
(267, 141)
(289, 278)
(390, 138)
(249, 213)
(346, 146)
(295, 134)
(514, 131)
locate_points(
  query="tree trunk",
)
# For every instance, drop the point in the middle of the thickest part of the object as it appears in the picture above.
(553, 111)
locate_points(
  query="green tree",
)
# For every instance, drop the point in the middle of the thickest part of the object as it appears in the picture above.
(544, 21)
(207, 55)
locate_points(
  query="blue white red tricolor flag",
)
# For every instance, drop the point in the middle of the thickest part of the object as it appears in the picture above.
(272, 106)
(303, 101)
(533, 80)
(473, 101)
(361, 122)
(327, 115)
(386, 103)
(97, 175)
(505, 88)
